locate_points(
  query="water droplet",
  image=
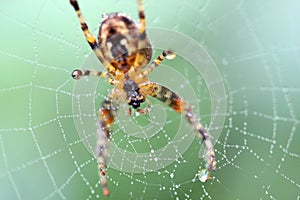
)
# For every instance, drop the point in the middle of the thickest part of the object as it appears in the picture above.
(203, 175)
(104, 15)
(171, 55)
(171, 175)
(225, 61)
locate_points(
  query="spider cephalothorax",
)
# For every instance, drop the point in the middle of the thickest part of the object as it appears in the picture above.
(124, 50)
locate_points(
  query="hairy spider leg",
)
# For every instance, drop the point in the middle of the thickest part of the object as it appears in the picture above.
(168, 54)
(142, 28)
(142, 39)
(146, 109)
(107, 111)
(90, 37)
(173, 100)
(78, 74)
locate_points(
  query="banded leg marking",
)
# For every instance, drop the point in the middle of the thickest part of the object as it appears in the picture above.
(168, 54)
(141, 13)
(106, 114)
(90, 37)
(173, 100)
(78, 74)
(142, 43)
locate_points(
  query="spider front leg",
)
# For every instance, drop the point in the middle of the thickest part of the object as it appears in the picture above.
(166, 54)
(107, 112)
(78, 74)
(146, 109)
(170, 98)
(144, 45)
(90, 37)
(142, 28)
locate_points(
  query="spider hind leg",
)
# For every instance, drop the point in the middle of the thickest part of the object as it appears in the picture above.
(107, 111)
(173, 100)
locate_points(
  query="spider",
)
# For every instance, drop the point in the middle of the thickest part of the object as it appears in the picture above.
(125, 51)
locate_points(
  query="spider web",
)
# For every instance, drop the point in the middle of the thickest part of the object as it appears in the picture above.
(254, 45)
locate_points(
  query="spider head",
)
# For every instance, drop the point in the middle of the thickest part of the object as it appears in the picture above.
(134, 98)
(135, 101)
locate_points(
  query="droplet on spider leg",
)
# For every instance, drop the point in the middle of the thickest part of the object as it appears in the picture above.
(76, 74)
(104, 15)
(203, 175)
(171, 55)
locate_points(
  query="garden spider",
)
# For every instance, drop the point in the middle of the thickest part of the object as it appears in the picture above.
(124, 49)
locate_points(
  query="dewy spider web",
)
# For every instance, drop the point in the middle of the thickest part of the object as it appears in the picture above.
(123, 160)
(255, 46)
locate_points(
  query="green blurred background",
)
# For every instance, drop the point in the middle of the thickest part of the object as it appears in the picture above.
(255, 45)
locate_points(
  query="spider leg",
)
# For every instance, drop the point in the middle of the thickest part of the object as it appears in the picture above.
(168, 54)
(142, 39)
(146, 109)
(173, 100)
(107, 111)
(142, 28)
(90, 37)
(78, 74)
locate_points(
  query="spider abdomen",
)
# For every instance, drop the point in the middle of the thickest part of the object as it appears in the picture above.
(118, 41)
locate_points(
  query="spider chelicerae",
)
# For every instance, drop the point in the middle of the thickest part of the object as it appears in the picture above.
(125, 51)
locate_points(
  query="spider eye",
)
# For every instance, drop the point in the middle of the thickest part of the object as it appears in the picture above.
(135, 104)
